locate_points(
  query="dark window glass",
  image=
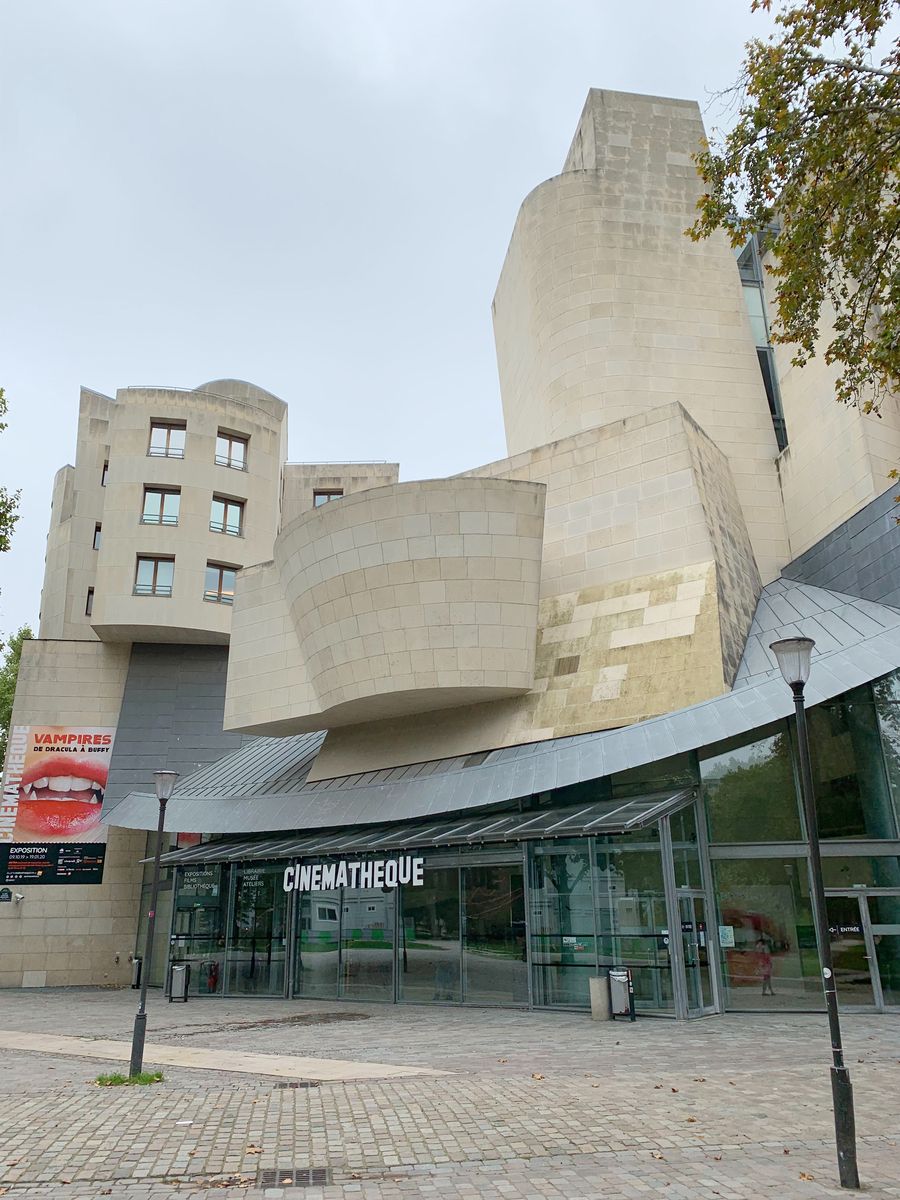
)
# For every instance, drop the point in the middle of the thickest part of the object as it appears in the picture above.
(852, 796)
(256, 951)
(563, 945)
(154, 576)
(766, 934)
(198, 931)
(219, 585)
(104, 475)
(749, 790)
(89, 602)
(167, 439)
(866, 870)
(323, 496)
(887, 707)
(97, 537)
(767, 367)
(669, 774)
(161, 506)
(430, 947)
(231, 451)
(227, 516)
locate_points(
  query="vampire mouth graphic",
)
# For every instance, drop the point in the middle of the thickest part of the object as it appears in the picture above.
(61, 796)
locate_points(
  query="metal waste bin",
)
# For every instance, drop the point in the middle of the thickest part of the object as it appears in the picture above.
(136, 965)
(601, 1009)
(621, 992)
(179, 981)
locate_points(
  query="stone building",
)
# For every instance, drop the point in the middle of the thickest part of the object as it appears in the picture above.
(475, 739)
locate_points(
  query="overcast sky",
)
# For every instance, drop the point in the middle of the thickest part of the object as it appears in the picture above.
(315, 196)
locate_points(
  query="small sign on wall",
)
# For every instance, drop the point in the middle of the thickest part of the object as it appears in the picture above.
(726, 936)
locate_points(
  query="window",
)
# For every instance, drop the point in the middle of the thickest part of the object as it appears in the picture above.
(104, 474)
(748, 783)
(97, 536)
(227, 516)
(161, 506)
(154, 576)
(167, 439)
(219, 588)
(89, 603)
(326, 914)
(326, 494)
(231, 450)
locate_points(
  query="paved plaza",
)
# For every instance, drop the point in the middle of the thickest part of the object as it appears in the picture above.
(328, 1101)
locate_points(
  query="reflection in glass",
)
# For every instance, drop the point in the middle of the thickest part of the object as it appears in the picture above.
(563, 953)
(884, 914)
(765, 914)
(256, 949)
(852, 797)
(631, 914)
(852, 974)
(685, 851)
(494, 954)
(367, 943)
(198, 932)
(317, 944)
(430, 944)
(887, 705)
(695, 946)
(749, 791)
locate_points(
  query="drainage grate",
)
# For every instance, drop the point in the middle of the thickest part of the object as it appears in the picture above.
(299, 1083)
(299, 1176)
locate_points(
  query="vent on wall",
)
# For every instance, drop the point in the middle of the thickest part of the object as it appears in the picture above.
(567, 665)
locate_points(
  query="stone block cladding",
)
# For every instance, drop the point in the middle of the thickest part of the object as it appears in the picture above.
(400, 599)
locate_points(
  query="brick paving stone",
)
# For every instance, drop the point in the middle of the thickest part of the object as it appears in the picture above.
(539, 1105)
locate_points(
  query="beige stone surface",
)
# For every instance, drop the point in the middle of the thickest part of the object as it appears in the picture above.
(604, 309)
(402, 598)
(81, 934)
(303, 480)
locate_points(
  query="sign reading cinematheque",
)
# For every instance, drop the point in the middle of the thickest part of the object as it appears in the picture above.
(376, 873)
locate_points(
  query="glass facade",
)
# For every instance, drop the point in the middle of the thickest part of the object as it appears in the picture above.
(709, 906)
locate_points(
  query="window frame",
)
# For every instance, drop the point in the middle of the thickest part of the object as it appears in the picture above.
(223, 525)
(162, 492)
(322, 496)
(168, 451)
(104, 474)
(155, 589)
(228, 459)
(212, 596)
(97, 532)
(89, 603)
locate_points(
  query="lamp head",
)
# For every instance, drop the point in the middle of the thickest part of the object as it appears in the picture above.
(793, 656)
(165, 784)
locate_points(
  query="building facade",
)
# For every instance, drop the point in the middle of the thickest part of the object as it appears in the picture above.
(473, 740)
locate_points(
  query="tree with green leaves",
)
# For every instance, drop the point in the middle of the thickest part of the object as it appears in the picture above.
(9, 501)
(813, 158)
(9, 673)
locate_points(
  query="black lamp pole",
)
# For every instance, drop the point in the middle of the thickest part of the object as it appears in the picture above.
(793, 655)
(165, 785)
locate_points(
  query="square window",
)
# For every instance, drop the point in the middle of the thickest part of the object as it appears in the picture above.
(323, 495)
(154, 576)
(104, 474)
(227, 516)
(231, 450)
(161, 506)
(97, 529)
(167, 439)
(219, 585)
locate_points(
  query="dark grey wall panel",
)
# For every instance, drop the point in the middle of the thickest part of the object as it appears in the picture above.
(171, 716)
(860, 557)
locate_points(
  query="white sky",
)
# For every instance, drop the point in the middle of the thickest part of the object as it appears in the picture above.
(315, 196)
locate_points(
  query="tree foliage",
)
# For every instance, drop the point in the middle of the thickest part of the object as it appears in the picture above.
(9, 673)
(814, 157)
(9, 501)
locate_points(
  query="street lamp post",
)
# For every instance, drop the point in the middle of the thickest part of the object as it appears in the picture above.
(165, 785)
(794, 656)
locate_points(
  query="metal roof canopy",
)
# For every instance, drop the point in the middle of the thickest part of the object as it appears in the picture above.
(602, 817)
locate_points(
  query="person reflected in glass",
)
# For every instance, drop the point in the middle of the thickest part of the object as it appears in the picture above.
(764, 966)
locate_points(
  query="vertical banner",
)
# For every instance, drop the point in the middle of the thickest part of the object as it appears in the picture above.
(53, 790)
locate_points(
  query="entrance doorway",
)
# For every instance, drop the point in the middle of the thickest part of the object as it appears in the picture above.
(864, 931)
(698, 977)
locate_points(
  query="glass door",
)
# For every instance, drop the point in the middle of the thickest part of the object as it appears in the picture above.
(256, 949)
(368, 922)
(495, 969)
(849, 950)
(695, 949)
(884, 928)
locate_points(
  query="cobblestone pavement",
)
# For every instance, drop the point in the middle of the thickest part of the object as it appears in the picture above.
(538, 1105)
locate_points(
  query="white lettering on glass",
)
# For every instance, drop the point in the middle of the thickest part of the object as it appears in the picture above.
(383, 873)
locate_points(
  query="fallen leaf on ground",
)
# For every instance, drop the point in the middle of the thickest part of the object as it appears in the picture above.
(785, 1150)
(657, 1086)
(692, 1120)
(699, 1079)
(656, 1154)
(808, 1178)
(674, 1089)
(287, 1179)
(535, 1075)
(502, 1060)
(717, 1158)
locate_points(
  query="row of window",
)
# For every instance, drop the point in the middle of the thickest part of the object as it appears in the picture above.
(167, 440)
(155, 576)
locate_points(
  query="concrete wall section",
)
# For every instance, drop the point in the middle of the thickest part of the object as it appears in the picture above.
(604, 309)
(81, 934)
(303, 480)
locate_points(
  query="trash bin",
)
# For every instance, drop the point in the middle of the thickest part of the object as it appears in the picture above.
(179, 981)
(601, 1010)
(621, 992)
(136, 964)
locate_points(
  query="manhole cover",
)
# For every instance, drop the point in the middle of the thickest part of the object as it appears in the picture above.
(297, 1176)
